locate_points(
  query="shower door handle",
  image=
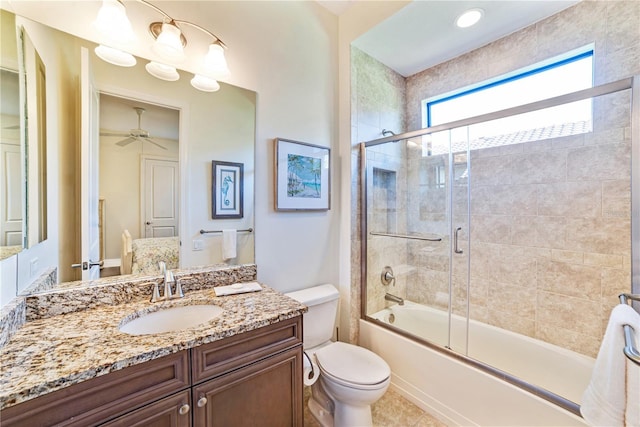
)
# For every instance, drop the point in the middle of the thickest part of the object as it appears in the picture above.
(455, 241)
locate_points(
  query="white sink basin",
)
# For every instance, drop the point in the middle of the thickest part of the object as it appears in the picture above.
(171, 319)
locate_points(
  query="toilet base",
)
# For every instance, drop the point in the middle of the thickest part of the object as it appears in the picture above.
(329, 412)
(350, 416)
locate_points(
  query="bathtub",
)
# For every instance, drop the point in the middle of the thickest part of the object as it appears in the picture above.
(461, 394)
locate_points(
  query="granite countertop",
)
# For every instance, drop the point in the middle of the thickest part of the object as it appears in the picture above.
(54, 352)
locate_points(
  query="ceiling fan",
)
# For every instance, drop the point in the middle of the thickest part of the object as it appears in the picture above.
(138, 134)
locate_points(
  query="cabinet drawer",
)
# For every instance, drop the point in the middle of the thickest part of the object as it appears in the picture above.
(211, 360)
(172, 411)
(103, 398)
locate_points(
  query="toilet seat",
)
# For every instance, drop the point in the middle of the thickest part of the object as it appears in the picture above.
(352, 366)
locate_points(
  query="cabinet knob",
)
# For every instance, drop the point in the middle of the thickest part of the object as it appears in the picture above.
(184, 409)
(202, 401)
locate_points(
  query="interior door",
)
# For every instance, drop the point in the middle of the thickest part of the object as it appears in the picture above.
(159, 207)
(11, 188)
(89, 151)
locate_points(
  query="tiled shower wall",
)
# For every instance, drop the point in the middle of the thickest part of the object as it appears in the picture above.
(550, 219)
(378, 102)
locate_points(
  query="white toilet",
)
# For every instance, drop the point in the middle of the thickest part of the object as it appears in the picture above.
(346, 378)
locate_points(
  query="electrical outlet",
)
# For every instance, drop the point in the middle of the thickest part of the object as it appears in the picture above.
(33, 267)
(198, 245)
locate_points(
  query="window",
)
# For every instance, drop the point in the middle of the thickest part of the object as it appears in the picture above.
(555, 77)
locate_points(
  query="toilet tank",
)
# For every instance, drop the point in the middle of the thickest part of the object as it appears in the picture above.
(319, 321)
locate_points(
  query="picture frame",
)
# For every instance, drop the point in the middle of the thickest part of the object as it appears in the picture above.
(227, 190)
(303, 176)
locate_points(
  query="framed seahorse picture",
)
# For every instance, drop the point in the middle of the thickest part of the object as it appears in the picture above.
(227, 190)
(302, 176)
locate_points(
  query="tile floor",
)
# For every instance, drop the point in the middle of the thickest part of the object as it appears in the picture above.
(392, 410)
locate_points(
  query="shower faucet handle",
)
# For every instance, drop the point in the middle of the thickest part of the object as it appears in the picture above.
(387, 277)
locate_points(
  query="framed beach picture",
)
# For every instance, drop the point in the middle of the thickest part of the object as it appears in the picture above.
(302, 176)
(227, 190)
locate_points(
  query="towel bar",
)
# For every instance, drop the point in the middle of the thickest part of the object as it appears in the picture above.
(404, 236)
(630, 349)
(248, 230)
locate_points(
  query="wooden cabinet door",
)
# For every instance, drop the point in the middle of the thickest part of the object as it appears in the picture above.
(172, 411)
(267, 393)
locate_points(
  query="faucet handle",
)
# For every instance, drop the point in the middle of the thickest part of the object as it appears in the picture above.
(179, 292)
(156, 293)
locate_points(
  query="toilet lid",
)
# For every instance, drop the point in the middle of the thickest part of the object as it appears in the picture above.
(353, 364)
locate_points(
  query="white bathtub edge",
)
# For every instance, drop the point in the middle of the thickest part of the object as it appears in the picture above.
(457, 393)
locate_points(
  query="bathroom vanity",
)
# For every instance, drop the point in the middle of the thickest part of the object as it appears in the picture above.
(78, 368)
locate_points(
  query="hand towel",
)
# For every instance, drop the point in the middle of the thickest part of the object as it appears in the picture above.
(229, 239)
(237, 288)
(613, 395)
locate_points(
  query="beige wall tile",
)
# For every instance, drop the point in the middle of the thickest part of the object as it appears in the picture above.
(569, 279)
(567, 256)
(600, 235)
(580, 198)
(603, 260)
(574, 314)
(539, 231)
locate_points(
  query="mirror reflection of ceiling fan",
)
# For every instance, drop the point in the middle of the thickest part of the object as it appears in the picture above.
(138, 134)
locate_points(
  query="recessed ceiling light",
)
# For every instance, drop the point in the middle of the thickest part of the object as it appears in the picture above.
(469, 18)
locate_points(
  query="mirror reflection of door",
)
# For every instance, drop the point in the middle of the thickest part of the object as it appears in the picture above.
(89, 263)
(10, 166)
(139, 174)
(160, 197)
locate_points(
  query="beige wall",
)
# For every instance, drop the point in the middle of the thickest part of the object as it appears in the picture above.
(550, 220)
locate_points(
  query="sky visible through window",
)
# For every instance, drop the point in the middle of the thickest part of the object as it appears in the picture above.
(552, 80)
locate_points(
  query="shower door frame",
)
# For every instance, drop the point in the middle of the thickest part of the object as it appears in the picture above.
(632, 83)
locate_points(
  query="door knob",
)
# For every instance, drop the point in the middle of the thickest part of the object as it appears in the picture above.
(148, 222)
(184, 409)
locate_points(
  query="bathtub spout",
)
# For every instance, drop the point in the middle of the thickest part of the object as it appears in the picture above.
(393, 298)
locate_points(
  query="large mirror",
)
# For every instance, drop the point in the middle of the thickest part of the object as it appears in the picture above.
(154, 143)
(11, 153)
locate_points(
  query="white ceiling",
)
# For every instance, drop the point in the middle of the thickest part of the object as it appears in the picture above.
(118, 114)
(424, 34)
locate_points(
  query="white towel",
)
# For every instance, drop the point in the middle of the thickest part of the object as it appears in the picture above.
(613, 396)
(229, 240)
(237, 288)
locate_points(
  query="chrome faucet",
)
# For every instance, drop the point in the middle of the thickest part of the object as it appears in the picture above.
(168, 280)
(393, 298)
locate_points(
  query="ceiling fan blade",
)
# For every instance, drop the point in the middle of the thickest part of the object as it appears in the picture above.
(156, 143)
(113, 134)
(125, 141)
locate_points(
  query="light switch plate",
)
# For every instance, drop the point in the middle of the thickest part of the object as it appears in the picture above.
(198, 245)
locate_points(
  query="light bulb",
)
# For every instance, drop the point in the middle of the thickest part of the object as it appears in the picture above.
(469, 18)
(169, 43)
(112, 22)
(214, 63)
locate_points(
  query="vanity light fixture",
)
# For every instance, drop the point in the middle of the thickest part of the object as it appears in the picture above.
(169, 44)
(469, 17)
(162, 71)
(115, 56)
